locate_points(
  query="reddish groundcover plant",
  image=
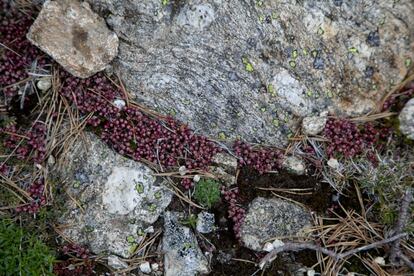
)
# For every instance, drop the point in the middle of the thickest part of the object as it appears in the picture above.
(263, 160)
(349, 140)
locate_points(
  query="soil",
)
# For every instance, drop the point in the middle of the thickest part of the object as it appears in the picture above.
(249, 182)
(226, 243)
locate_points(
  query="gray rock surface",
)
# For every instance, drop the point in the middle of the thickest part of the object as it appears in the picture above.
(224, 166)
(251, 69)
(406, 118)
(116, 263)
(112, 199)
(205, 222)
(74, 36)
(313, 125)
(272, 218)
(182, 255)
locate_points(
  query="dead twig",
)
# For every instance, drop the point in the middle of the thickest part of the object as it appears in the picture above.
(292, 246)
(399, 226)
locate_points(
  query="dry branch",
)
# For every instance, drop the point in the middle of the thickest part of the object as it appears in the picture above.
(293, 246)
(403, 217)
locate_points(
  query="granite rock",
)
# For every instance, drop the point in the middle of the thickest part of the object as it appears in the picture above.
(252, 69)
(74, 36)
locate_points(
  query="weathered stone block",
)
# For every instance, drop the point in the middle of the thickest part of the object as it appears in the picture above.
(73, 35)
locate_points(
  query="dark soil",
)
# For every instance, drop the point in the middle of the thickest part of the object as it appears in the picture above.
(228, 248)
(250, 180)
(23, 115)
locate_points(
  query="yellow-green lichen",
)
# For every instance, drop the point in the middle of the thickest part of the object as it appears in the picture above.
(320, 31)
(130, 239)
(292, 63)
(261, 18)
(353, 50)
(271, 90)
(408, 62)
(305, 52)
(222, 136)
(247, 65)
(158, 195)
(294, 54)
(76, 184)
(139, 187)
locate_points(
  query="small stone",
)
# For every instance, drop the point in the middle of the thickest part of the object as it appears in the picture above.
(51, 160)
(379, 260)
(182, 170)
(120, 104)
(294, 165)
(155, 266)
(310, 272)
(149, 230)
(406, 118)
(145, 267)
(225, 161)
(333, 163)
(205, 222)
(277, 243)
(182, 255)
(74, 36)
(44, 83)
(196, 178)
(226, 178)
(315, 124)
(116, 263)
(268, 247)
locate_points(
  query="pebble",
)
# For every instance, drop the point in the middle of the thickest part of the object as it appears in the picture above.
(145, 267)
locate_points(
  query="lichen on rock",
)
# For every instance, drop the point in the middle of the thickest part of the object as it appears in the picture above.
(272, 218)
(112, 199)
(233, 69)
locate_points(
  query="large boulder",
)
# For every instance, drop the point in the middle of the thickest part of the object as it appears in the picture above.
(73, 35)
(272, 218)
(252, 68)
(112, 200)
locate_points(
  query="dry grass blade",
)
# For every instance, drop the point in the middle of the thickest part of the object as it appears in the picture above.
(288, 191)
(407, 80)
(12, 186)
(373, 117)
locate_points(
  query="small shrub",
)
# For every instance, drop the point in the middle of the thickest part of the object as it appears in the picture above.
(207, 192)
(22, 253)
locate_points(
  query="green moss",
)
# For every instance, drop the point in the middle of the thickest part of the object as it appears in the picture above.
(22, 252)
(191, 221)
(207, 192)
